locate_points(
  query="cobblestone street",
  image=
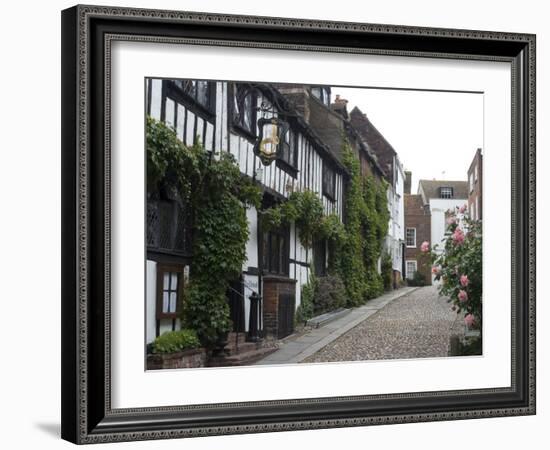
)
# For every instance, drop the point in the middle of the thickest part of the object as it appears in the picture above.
(416, 325)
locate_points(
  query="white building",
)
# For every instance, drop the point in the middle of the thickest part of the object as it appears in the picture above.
(442, 196)
(395, 240)
(223, 115)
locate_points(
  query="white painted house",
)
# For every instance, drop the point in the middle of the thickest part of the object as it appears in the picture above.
(395, 240)
(223, 115)
(442, 196)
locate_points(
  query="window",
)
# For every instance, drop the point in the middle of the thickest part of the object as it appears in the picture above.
(289, 153)
(169, 290)
(243, 109)
(275, 248)
(410, 237)
(201, 92)
(411, 269)
(322, 93)
(446, 192)
(329, 181)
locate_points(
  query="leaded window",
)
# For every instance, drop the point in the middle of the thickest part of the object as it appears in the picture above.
(289, 151)
(275, 251)
(322, 93)
(446, 192)
(329, 181)
(200, 91)
(243, 109)
(169, 290)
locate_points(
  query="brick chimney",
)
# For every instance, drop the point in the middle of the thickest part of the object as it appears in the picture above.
(408, 181)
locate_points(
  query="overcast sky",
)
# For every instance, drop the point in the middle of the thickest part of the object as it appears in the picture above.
(436, 134)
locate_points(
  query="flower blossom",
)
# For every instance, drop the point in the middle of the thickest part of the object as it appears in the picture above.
(425, 247)
(435, 270)
(464, 280)
(462, 209)
(458, 236)
(462, 296)
(469, 319)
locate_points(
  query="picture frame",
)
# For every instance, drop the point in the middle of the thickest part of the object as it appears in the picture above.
(87, 413)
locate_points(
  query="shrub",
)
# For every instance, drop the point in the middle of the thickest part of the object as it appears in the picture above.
(459, 266)
(175, 341)
(330, 294)
(387, 271)
(417, 279)
(216, 196)
(304, 312)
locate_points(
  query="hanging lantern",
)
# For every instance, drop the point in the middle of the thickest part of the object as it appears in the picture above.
(271, 139)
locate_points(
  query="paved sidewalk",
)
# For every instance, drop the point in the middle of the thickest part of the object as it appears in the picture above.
(302, 347)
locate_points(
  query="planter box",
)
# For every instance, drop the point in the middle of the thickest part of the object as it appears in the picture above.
(186, 359)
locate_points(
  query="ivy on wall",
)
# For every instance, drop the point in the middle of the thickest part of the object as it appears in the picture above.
(216, 196)
(355, 246)
(366, 226)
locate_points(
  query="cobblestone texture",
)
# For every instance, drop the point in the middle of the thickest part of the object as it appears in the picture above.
(417, 325)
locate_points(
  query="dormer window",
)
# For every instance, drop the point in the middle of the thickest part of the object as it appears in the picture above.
(322, 93)
(446, 192)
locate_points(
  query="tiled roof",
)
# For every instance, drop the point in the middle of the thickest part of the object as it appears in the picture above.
(376, 142)
(431, 188)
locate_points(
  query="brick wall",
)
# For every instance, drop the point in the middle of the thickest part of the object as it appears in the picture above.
(273, 288)
(475, 198)
(180, 360)
(418, 217)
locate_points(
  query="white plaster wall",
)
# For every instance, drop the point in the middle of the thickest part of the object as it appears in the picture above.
(150, 304)
(252, 243)
(438, 207)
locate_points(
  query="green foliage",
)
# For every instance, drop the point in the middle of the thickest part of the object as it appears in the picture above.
(366, 225)
(216, 195)
(387, 271)
(460, 269)
(304, 208)
(417, 280)
(304, 312)
(175, 341)
(329, 295)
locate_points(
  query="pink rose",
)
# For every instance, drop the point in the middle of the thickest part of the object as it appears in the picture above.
(464, 280)
(458, 236)
(462, 209)
(469, 320)
(435, 270)
(451, 220)
(425, 247)
(462, 295)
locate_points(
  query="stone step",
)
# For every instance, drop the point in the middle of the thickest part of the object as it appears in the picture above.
(323, 319)
(240, 337)
(242, 347)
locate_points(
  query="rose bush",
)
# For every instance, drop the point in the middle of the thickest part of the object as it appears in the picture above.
(459, 266)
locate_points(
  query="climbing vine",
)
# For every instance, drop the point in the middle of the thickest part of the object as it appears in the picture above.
(366, 225)
(215, 195)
